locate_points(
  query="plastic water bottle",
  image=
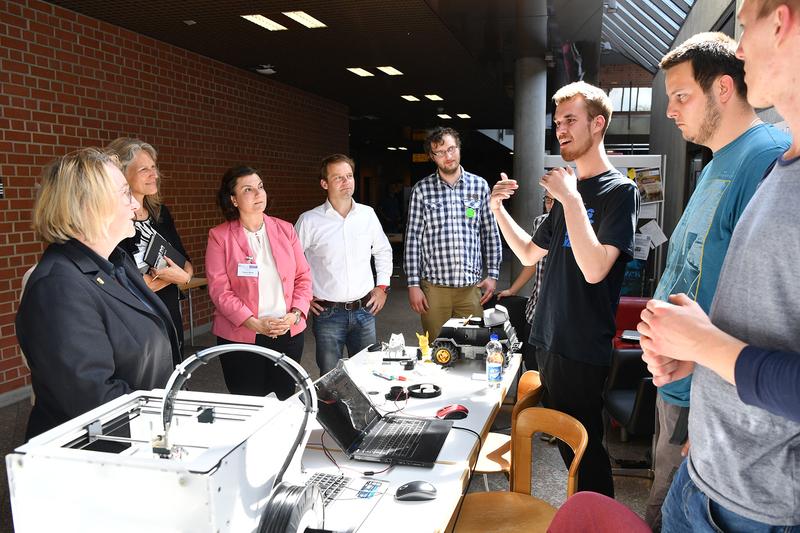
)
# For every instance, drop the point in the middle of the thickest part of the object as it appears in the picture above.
(494, 362)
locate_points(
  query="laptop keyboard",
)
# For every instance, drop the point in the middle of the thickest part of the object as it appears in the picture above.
(329, 485)
(397, 437)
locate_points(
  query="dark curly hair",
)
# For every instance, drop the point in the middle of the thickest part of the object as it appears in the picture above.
(437, 137)
(226, 187)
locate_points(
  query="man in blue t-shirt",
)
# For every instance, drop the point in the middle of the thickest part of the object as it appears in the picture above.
(708, 102)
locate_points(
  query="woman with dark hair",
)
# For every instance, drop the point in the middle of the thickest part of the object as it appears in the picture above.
(138, 162)
(88, 325)
(260, 284)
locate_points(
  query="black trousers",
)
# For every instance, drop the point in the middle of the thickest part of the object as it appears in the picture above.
(254, 375)
(576, 388)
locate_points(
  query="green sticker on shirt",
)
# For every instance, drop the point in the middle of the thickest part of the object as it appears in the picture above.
(470, 212)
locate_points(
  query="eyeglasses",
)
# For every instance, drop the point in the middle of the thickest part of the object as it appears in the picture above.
(548, 199)
(127, 194)
(441, 153)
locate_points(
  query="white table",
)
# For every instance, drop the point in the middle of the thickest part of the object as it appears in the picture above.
(450, 474)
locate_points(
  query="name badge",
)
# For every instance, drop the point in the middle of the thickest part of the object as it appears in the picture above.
(248, 270)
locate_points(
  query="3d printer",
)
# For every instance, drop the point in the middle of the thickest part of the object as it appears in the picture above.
(161, 461)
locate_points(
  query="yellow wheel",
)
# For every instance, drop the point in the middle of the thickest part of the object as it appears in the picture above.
(443, 355)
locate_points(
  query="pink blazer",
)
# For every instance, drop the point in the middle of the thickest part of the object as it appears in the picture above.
(236, 298)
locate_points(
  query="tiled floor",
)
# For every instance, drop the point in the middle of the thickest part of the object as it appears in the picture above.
(548, 469)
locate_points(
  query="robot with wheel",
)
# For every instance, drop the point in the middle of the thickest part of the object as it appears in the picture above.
(466, 338)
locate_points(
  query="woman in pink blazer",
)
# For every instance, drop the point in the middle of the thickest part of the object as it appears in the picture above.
(260, 284)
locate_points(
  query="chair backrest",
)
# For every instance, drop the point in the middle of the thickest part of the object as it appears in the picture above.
(529, 392)
(556, 423)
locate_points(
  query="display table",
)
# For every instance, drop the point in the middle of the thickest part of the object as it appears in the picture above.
(450, 475)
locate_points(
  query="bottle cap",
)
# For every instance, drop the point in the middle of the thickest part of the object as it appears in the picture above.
(493, 337)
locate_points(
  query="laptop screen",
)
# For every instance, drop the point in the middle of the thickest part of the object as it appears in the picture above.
(344, 410)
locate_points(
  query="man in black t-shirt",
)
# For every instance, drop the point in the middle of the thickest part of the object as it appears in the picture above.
(587, 238)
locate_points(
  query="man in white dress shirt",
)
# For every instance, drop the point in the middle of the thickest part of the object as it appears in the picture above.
(338, 238)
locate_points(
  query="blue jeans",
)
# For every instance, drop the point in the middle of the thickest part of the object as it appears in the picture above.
(687, 508)
(334, 328)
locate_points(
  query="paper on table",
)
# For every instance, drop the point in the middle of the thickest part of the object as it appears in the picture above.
(648, 211)
(657, 237)
(641, 246)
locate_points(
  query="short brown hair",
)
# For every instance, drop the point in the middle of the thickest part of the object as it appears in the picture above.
(768, 6)
(76, 198)
(437, 137)
(597, 101)
(333, 159)
(712, 54)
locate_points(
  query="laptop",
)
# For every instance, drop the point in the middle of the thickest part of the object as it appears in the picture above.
(362, 433)
(347, 501)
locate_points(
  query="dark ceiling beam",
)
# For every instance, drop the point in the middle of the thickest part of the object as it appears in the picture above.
(623, 28)
(627, 51)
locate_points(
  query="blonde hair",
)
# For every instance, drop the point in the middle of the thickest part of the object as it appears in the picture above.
(76, 198)
(127, 148)
(597, 101)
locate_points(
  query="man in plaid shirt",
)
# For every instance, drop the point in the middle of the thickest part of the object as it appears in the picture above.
(450, 231)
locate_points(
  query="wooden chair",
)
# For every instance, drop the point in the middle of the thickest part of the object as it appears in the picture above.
(495, 454)
(516, 510)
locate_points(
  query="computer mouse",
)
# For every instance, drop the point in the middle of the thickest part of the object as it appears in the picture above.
(452, 412)
(415, 491)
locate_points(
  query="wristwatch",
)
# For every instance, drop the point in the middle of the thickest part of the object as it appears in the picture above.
(297, 316)
(384, 288)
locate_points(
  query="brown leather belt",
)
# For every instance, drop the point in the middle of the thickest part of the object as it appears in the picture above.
(347, 306)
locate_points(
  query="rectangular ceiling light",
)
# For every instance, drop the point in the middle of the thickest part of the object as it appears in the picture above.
(410, 98)
(403, 148)
(463, 115)
(434, 97)
(301, 17)
(358, 71)
(264, 22)
(444, 115)
(391, 71)
(392, 148)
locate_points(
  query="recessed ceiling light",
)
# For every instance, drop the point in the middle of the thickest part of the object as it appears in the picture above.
(434, 97)
(358, 71)
(264, 22)
(305, 19)
(410, 98)
(403, 148)
(463, 115)
(391, 71)
(190, 22)
(392, 148)
(266, 69)
(444, 115)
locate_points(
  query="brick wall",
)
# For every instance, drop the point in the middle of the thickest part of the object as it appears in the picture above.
(69, 81)
(624, 75)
